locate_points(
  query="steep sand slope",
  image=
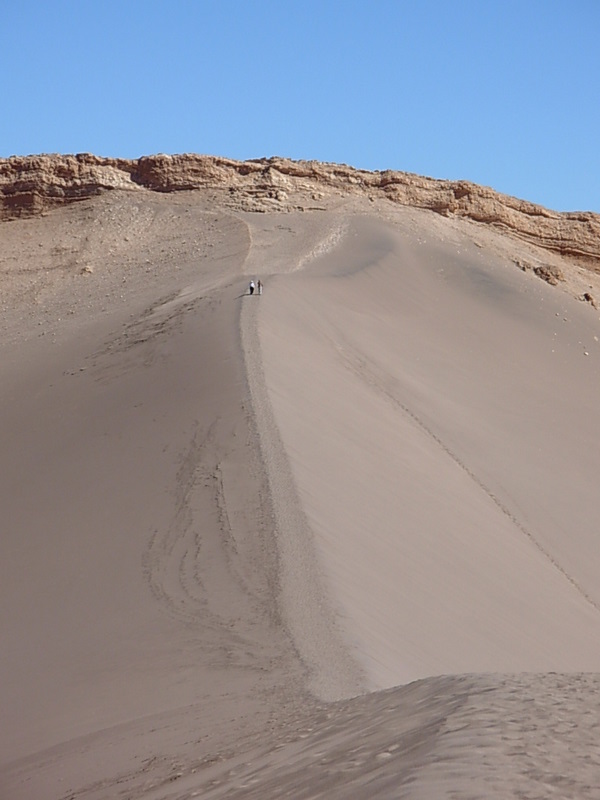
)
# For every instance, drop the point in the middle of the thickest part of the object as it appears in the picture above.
(439, 409)
(219, 513)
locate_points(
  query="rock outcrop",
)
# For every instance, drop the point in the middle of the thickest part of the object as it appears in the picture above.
(32, 184)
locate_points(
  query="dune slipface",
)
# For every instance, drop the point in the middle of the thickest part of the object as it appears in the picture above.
(335, 540)
(438, 411)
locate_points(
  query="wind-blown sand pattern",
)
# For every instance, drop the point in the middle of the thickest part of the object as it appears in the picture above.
(338, 540)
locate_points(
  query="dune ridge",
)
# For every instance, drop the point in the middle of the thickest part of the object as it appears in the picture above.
(304, 600)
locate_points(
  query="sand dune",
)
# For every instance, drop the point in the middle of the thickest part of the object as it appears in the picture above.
(448, 398)
(335, 541)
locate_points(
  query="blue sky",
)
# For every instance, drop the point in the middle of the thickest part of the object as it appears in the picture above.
(505, 93)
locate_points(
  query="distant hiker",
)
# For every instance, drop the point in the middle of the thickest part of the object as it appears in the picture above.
(259, 285)
(251, 287)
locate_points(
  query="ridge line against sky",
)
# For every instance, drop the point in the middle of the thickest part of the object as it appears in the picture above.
(502, 93)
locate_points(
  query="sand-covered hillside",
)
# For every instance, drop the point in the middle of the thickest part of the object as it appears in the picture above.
(336, 540)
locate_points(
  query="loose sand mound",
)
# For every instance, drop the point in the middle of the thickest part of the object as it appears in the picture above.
(231, 525)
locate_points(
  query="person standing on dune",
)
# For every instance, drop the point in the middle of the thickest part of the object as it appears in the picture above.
(251, 287)
(259, 287)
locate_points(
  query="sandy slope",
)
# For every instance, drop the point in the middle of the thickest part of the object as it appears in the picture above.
(453, 402)
(223, 517)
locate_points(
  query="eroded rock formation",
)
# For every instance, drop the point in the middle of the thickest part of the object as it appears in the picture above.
(32, 184)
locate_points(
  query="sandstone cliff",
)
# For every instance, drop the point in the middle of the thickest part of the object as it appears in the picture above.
(30, 185)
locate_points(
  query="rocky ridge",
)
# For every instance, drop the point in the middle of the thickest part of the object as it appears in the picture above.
(31, 185)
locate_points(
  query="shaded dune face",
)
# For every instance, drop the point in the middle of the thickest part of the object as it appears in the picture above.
(243, 535)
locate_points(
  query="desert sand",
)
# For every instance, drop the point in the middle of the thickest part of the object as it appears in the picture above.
(337, 540)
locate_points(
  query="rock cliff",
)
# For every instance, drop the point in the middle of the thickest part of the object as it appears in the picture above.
(33, 184)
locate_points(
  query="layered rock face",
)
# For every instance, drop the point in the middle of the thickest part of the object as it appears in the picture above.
(33, 184)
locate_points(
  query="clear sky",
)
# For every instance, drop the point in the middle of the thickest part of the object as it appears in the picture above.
(505, 93)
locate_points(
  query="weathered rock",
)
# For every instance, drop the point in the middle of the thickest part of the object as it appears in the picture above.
(589, 298)
(32, 184)
(551, 275)
(29, 185)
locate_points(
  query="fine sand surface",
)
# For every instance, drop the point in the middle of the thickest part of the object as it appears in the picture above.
(339, 540)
